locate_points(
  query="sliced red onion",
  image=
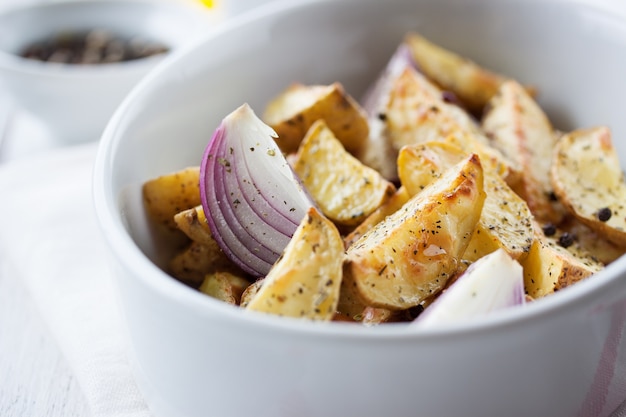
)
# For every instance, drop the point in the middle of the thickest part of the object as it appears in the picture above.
(492, 283)
(252, 198)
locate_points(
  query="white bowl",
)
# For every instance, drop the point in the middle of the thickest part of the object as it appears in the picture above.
(76, 102)
(564, 355)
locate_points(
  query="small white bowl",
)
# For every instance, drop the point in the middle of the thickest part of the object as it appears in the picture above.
(561, 356)
(73, 101)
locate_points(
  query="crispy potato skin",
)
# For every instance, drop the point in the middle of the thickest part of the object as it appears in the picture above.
(519, 128)
(601, 188)
(292, 113)
(167, 195)
(345, 190)
(411, 254)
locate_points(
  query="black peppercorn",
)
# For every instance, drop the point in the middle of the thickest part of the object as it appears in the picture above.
(566, 240)
(604, 214)
(549, 229)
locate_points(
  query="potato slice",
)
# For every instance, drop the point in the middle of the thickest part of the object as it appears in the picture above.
(519, 128)
(167, 195)
(412, 253)
(505, 222)
(395, 203)
(550, 267)
(224, 286)
(471, 83)
(588, 180)
(417, 114)
(305, 281)
(345, 190)
(292, 113)
(195, 261)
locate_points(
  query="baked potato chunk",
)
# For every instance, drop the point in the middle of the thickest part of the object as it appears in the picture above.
(597, 246)
(169, 194)
(224, 286)
(193, 223)
(305, 281)
(292, 113)
(411, 254)
(589, 181)
(519, 128)
(345, 190)
(471, 83)
(550, 267)
(505, 221)
(417, 114)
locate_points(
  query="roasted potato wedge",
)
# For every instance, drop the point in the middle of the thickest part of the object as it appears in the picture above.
(224, 286)
(167, 195)
(250, 292)
(505, 221)
(411, 254)
(471, 83)
(194, 224)
(345, 190)
(597, 246)
(393, 204)
(416, 114)
(550, 267)
(292, 113)
(305, 281)
(589, 181)
(519, 128)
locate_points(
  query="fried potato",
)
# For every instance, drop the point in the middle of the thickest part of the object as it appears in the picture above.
(505, 221)
(305, 281)
(224, 286)
(471, 83)
(292, 113)
(417, 114)
(519, 128)
(167, 195)
(550, 267)
(194, 224)
(412, 253)
(192, 264)
(588, 180)
(345, 190)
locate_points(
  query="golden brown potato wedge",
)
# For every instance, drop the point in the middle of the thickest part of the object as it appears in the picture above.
(305, 281)
(167, 195)
(505, 221)
(519, 128)
(196, 260)
(550, 267)
(412, 253)
(471, 83)
(345, 190)
(292, 113)
(250, 291)
(224, 286)
(589, 181)
(194, 224)
(416, 114)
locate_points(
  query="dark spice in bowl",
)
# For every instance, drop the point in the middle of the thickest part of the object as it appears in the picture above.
(97, 46)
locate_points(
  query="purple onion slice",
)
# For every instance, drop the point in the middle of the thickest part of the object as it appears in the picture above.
(253, 200)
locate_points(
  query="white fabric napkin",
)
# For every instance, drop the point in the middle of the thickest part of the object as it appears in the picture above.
(49, 239)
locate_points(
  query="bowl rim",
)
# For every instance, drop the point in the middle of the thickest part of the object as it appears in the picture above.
(16, 63)
(610, 283)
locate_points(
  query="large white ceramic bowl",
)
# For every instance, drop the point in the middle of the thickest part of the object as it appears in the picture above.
(561, 356)
(75, 102)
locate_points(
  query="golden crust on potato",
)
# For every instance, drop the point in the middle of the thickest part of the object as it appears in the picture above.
(519, 128)
(411, 254)
(345, 190)
(292, 113)
(224, 286)
(305, 281)
(589, 181)
(169, 194)
(505, 221)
